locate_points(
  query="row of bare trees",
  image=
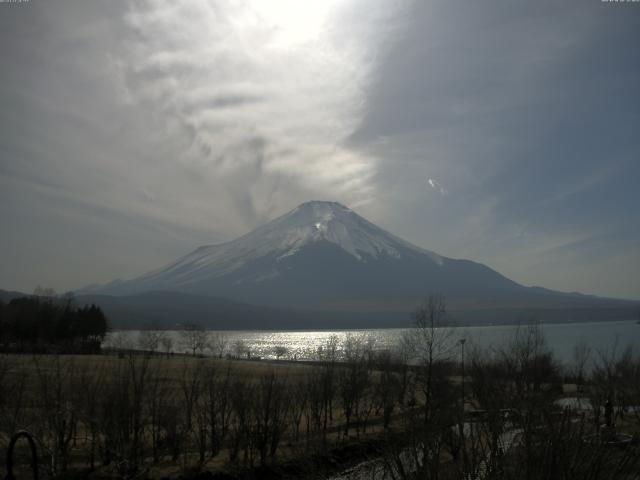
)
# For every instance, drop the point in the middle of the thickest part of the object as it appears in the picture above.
(508, 423)
(131, 414)
(141, 410)
(192, 338)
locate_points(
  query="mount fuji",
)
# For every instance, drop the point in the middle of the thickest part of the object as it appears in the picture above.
(323, 257)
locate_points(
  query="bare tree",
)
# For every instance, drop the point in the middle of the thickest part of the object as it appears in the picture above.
(581, 356)
(354, 378)
(297, 406)
(194, 338)
(241, 349)
(13, 381)
(315, 414)
(270, 415)
(427, 425)
(612, 380)
(150, 340)
(386, 386)
(90, 388)
(159, 390)
(634, 382)
(120, 341)
(242, 395)
(167, 344)
(217, 384)
(56, 384)
(217, 344)
(280, 351)
(138, 369)
(432, 344)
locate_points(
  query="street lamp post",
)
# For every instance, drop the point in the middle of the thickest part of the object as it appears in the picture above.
(462, 342)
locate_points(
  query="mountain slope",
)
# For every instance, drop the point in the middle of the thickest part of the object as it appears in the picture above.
(264, 253)
(323, 256)
(319, 252)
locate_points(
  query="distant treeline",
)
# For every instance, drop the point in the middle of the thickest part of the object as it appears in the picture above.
(48, 324)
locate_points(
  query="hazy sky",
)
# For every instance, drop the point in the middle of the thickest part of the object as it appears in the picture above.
(507, 132)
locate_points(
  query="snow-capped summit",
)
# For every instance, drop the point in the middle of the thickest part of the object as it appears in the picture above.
(331, 221)
(310, 223)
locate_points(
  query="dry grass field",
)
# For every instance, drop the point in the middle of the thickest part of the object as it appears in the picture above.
(134, 415)
(171, 415)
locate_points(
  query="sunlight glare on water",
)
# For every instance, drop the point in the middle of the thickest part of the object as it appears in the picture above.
(303, 345)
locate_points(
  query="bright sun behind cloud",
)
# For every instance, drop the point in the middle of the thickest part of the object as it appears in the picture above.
(263, 93)
(294, 22)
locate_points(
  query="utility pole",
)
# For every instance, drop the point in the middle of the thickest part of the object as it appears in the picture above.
(462, 440)
(462, 342)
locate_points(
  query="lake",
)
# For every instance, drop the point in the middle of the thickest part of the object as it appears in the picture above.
(302, 345)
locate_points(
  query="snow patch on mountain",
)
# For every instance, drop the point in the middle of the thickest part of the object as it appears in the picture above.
(335, 223)
(309, 223)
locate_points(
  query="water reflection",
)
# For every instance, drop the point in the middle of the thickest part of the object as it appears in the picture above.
(303, 345)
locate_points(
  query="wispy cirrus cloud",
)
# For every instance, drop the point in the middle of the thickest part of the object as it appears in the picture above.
(526, 112)
(134, 132)
(263, 95)
(204, 119)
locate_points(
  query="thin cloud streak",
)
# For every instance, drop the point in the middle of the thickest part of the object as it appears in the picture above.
(256, 98)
